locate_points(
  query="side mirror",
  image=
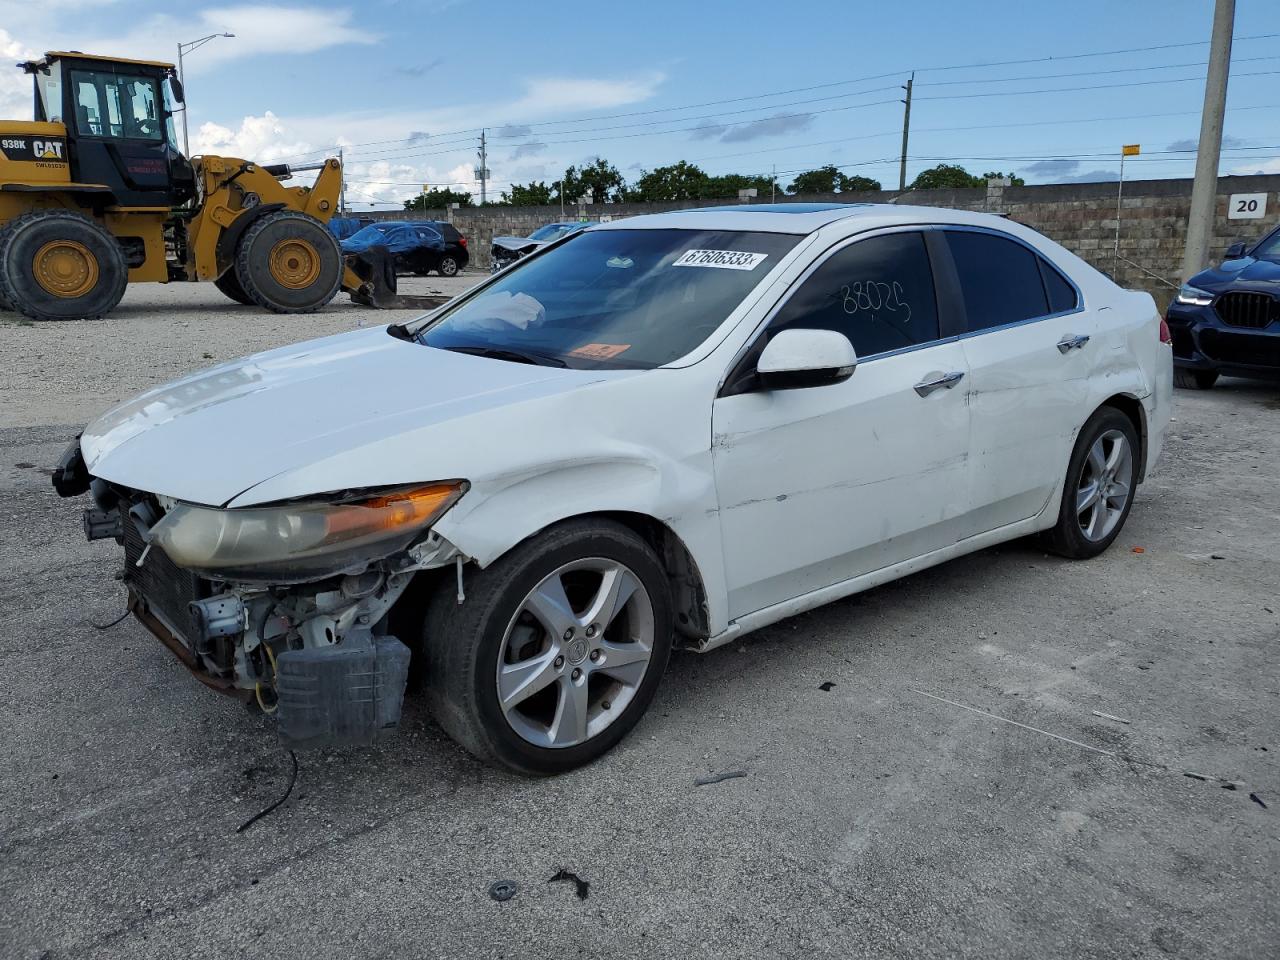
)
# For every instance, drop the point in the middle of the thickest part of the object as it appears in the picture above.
(1235, 251)
(805, 358)
(175, 88)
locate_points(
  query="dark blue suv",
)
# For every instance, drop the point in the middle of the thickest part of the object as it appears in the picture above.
(1227, 319)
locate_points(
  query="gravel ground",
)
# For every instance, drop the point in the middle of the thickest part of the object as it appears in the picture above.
(896, 813)
(70, 372)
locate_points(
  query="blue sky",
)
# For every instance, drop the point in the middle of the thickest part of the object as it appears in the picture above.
(404, 84)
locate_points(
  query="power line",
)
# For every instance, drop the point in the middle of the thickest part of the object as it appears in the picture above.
(872, 77)
(812, 113)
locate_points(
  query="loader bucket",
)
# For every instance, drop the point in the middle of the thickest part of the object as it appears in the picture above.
(370, 277)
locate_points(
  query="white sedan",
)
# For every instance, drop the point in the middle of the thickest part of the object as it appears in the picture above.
(671, 429)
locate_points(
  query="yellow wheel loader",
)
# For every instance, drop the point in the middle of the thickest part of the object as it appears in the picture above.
(94, 195)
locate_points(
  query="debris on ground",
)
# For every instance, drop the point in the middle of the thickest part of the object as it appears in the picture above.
(1258, 800)
(825, 685)
(503, 890)
(1108, 716)
(1139, 549)
(580, 886)
(293, 778)
(719, 777)
(1197, 776)
(1216, 556)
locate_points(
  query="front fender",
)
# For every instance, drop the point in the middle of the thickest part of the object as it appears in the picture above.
(499, 513)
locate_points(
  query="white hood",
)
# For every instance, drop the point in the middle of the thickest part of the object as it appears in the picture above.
(211, 436)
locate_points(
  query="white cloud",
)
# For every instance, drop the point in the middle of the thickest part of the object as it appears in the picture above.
(261, 139)
(1251, 167)
(15, 86)
(549, 95)
(258, 30)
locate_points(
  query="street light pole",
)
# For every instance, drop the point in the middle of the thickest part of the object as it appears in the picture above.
(1204, 190)
(184, 48)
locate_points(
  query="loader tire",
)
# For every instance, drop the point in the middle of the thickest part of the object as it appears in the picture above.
(288, 262)
(60, 265)
(229, 284)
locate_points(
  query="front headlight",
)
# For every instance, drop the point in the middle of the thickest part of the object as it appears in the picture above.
(1194, 295)
(300, 541)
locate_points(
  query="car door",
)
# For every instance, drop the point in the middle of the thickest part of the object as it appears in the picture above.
(1030, 348)
(822, 484)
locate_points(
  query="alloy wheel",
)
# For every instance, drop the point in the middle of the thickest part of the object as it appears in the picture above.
(575, 653)
(1106, 483)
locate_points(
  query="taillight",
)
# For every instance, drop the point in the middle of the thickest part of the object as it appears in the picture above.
(462, 241)
(1165, 335)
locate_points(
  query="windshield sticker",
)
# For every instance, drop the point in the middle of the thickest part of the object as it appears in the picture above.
(620, 263)
(599, 351)
(720, 259)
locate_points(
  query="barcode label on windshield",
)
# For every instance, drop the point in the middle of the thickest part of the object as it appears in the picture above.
(721, 259)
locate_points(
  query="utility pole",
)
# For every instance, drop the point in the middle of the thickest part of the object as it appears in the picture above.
(906, 131)
(483, 174)
(342, 194)
(1204, 191)
(773, 185)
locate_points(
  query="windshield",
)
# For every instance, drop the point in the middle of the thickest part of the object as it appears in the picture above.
(1269, 248)
(117, 105)
(554, 231)
(631, 299)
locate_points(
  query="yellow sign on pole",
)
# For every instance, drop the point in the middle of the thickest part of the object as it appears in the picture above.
(1131, 150)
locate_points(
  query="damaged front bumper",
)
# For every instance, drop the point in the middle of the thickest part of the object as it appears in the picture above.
(318, 655)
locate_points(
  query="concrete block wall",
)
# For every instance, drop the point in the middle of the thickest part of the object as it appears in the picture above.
(1080, 216)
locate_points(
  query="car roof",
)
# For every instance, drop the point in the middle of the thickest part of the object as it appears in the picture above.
(800, 218)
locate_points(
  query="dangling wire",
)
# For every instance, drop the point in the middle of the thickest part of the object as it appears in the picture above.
(293, 778)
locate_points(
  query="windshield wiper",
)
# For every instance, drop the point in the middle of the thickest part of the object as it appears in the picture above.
(514, 356)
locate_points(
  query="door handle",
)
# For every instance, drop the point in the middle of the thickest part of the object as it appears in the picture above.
(947, 380)
(1067, 344)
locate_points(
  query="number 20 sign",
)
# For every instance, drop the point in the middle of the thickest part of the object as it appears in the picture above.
(1247, 206)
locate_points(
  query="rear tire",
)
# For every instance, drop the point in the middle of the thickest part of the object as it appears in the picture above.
(1194, 379)
(60, 265)
(598, 673)
(229, 284)
(288, 262)
(448, 266)
(1102, 479)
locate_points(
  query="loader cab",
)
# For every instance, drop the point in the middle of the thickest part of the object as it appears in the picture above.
(119, 120)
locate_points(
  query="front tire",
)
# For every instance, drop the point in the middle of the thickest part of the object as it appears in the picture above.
(288, 262)
(556, 651)
(1102, 478)
(1194, 379)
(60, 265)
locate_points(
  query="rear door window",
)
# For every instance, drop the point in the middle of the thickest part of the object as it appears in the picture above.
(999, 279)
(878, 292)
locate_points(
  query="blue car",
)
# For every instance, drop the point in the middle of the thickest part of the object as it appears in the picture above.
(1226, 320)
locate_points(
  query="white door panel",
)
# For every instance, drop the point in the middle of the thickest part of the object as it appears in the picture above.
(1029, 388)
(818, 485)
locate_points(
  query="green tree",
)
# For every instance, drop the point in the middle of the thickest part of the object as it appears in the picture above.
(727, 186)
(948, 175)
(437, 198)
(829, 179)
(859, 185)
(823, 180)
(600, 179)
(677, 181)
(533, 194)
